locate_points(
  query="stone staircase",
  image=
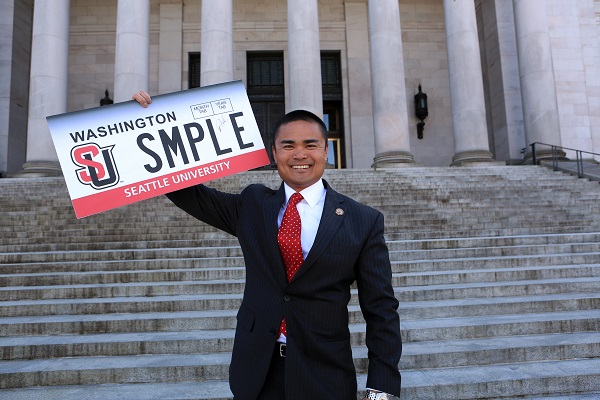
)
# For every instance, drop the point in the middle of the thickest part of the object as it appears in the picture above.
(497, 270)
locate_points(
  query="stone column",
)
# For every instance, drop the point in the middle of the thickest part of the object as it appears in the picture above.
(538, 90)
(47, 84)
(132, 52)
(16, 22)
(506, 110)
(390, 114)
(304, 56)
(471, 143)
(216, 51)
(361, 151)
(170, 48)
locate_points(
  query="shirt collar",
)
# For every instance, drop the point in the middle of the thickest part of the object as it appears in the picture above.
(311, 194)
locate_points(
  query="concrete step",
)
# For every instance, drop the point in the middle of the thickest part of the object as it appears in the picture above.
(66, 245)
(213, 390)
(443, 230)
(500, 325)
(150, 297)
(444, 328)
(416, 265)
(118, 276)
(208, 240)
(91, 240)
(573, 396)
(522, 379)
(429, 291)
(393, 233)
(484, 306)
(235, 251)
(496, 269)
(129, 265)
(396, 213)
(189, 317)
(114, 369)
(427, 278)
(465, 219)
(503, 380)
(69, 280)
(428, 354)
(493, 241)
(137, 360)
(477, 263)
(497, 289)
(496, 350)
(114, 305)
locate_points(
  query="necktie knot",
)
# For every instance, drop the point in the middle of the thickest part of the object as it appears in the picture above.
(294, 200)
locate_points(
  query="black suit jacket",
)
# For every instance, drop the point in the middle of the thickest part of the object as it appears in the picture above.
(349, 247)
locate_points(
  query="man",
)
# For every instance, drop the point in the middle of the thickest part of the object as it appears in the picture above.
(292, 339)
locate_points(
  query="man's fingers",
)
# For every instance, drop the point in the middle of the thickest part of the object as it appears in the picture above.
(143, 98)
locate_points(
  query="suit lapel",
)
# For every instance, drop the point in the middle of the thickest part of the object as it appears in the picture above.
(271, 208)
(331, 220)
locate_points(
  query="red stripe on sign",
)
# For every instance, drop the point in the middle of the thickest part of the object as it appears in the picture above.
(121, 196)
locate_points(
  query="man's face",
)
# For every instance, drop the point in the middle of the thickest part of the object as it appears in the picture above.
(300, 153)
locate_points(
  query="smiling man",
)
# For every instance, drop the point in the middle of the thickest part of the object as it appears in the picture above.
(292, 340)
(300, 149)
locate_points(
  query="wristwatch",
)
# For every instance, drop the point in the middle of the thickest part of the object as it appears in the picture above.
(372, 395)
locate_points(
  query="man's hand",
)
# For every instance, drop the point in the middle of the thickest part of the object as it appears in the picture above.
(143, 98)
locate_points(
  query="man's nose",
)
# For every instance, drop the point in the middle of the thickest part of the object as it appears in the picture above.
(300, 154)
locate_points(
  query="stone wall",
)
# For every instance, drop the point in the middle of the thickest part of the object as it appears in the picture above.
(261, 25)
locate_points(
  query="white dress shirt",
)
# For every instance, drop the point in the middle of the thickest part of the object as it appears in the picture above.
(310, 210)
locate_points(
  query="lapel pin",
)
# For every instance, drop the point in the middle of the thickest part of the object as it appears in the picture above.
(339, 211)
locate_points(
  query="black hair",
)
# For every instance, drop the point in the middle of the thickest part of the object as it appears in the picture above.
(300, 115)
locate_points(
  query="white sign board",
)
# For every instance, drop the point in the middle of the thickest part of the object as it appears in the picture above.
(123, 153)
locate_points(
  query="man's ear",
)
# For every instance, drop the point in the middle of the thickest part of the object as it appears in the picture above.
(274, 153)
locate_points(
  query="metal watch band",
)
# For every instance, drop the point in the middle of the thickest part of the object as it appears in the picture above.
(371, 395)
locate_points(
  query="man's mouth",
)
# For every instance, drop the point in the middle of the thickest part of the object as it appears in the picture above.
(300, 166)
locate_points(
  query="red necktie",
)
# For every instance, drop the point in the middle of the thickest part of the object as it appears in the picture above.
(288, 239)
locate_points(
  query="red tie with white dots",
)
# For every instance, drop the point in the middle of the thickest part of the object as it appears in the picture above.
(288, 239)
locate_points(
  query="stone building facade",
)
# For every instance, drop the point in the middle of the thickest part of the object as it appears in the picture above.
(498, 74)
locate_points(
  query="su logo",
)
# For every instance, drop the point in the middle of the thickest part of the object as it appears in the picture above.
(97, 165)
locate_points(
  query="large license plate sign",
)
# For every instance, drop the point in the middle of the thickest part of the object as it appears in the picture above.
(123, 153)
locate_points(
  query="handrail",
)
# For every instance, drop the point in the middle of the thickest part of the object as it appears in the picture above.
(556, 155)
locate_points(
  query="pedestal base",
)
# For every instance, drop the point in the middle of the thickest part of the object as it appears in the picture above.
(39, 169)
(472, 158)
(396, 159)
(545, 155)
